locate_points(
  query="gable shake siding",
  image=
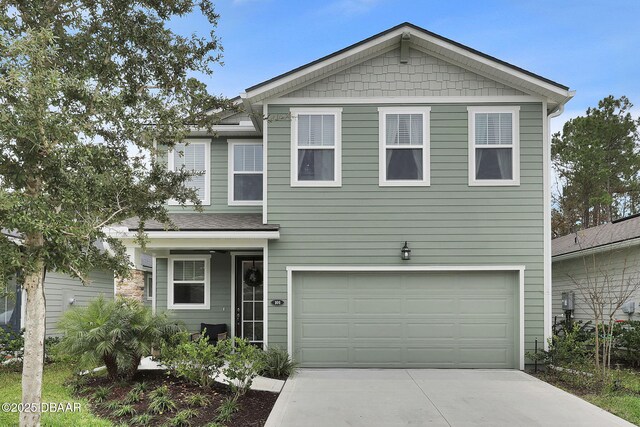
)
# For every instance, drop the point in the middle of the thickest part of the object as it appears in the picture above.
(447, 223)
(423, 75)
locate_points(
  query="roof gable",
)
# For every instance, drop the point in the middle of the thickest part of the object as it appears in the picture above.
(433, 44)
(421, 75)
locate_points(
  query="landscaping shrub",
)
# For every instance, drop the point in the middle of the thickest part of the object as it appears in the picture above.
(627, 343)
(11, 348)
(571, 346)
(117, 333)
(277, 363)
(227, 408)
(196, 361)
(243, 362)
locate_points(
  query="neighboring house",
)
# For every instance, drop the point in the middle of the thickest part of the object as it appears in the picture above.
(600, 254)
(315, 188)
(61, 292)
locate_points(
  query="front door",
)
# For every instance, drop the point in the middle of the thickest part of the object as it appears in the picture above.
(250, 298)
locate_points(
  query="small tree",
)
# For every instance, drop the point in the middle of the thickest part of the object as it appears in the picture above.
(117, 333)
(605, 286)
(87, 90)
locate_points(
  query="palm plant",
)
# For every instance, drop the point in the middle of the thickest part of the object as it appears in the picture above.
(117, 333)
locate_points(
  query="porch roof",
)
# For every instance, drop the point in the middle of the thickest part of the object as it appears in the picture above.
(201, 221)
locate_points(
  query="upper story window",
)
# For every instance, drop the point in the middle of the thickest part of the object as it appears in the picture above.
(404, 146)
(194, 157)
(188, 283)
(316, 157)
(494, 146)
(245, 173)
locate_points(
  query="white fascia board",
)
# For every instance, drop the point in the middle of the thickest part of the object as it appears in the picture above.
(366, 268)
(598, 249)
(195, 235)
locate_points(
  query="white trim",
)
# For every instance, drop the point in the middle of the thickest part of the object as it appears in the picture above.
(231, 172)
(265, 140)
(515, 146)
(522, 323)
(23, 308)
(406, 100)
(364, 268)
(473, 60)
(202, 235)
(154, 283)
(207, 165)
(426, 147)
(233, 294)
(148, 286)
(207, 282)
(337, 148)
(546, 166)
(265, 293)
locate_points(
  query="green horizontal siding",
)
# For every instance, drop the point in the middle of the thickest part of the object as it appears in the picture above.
(448, 223)
(219, 181)
(59, 288)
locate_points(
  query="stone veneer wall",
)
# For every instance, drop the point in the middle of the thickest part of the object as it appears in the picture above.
(132, 286)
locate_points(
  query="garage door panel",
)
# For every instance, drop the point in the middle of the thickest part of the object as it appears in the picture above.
(498, 305)
(377, 306)
(378, 356)
(324, 356)
(416, 319)
(313, 306)
(320, 330)
(429, 306)
(474, 330)
(434, 330)
(376, 330)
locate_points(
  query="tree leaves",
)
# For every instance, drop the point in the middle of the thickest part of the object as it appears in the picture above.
(597, 158)
(83, 85)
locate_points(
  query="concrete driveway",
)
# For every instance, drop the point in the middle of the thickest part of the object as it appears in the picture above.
(429, 397)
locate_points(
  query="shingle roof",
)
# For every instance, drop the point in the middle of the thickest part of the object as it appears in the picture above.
(617, 231)
(200, 221)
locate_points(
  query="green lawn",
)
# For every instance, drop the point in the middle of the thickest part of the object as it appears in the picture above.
(621, 397)
(53, 391)
(625, 406)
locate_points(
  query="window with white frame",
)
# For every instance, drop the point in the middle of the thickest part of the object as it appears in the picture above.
(404, 146)
(245, 170)
(193, 156)
(149, 286)
(188, 283)
(316, 156)
(494, 146)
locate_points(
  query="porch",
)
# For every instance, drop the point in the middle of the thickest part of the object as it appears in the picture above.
(210, 270)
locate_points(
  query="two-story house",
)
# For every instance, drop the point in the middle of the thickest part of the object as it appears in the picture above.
(386, 205)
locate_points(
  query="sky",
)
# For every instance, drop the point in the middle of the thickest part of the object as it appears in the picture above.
(590, 46)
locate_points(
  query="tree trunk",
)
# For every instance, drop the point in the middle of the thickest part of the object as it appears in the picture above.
(33, 360)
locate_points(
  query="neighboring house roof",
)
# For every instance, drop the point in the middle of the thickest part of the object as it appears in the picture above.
(596, 237)
(202, 221)
(417, 38)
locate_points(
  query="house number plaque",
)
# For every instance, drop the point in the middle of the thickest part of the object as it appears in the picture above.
(277, 302)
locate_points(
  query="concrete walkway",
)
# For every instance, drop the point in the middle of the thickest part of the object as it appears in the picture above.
(429, 397)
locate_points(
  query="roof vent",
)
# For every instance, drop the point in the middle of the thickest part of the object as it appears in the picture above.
(404, 47)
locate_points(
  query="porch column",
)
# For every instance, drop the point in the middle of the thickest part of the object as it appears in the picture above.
(132, 286)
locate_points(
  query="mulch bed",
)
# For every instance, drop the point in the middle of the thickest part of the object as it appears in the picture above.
(254, 410)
